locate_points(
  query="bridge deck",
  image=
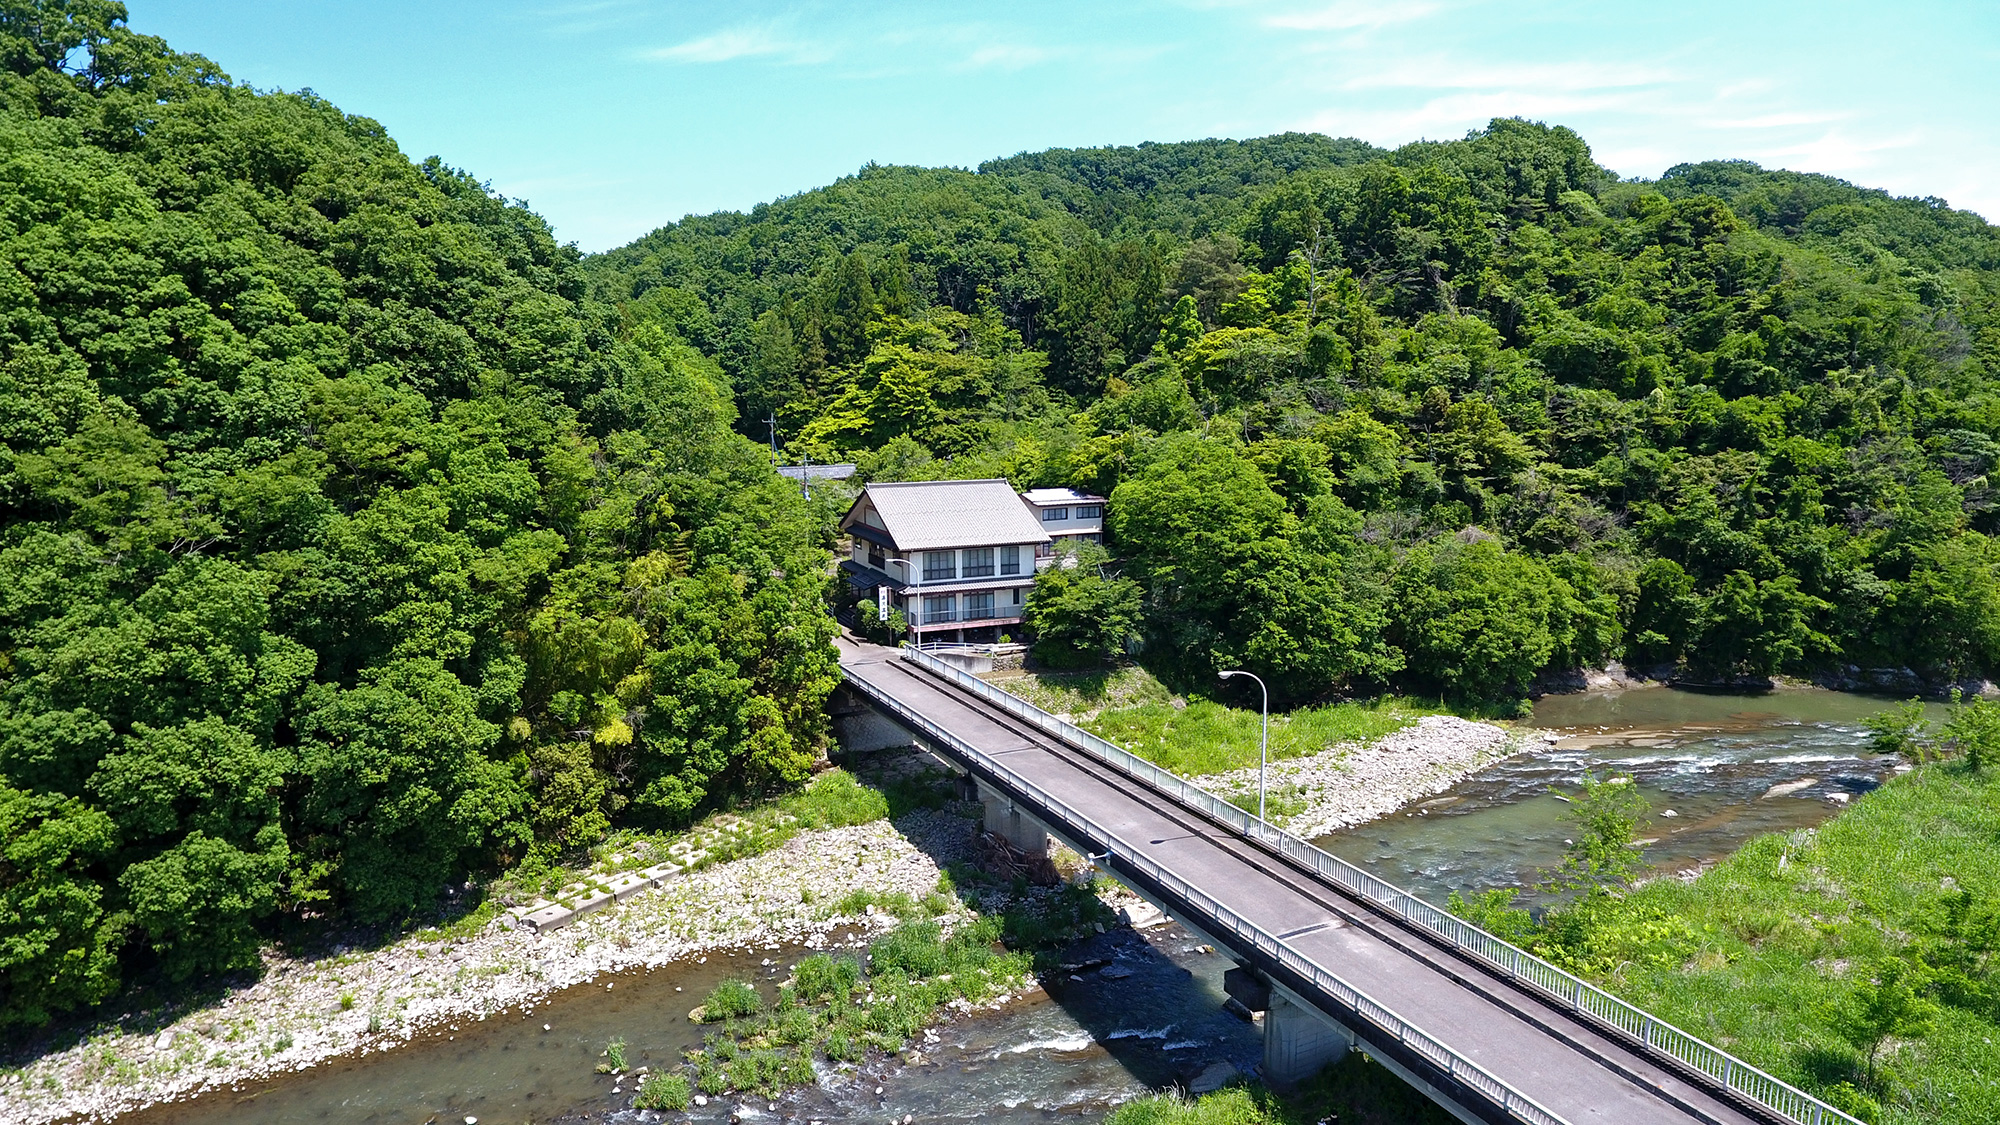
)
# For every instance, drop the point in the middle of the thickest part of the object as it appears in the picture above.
(1567, 1065)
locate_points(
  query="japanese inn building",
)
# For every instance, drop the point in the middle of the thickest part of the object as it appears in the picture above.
(958, 557)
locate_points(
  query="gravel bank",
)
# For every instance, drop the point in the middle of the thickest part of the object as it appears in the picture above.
(1349, 785)
(302, 1013)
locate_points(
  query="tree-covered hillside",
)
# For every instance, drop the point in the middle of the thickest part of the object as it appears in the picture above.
(346, 549)
(1441, 419)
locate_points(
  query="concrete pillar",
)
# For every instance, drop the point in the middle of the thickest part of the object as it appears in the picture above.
(1299, 1042)
(860, 728)
(1023, 832)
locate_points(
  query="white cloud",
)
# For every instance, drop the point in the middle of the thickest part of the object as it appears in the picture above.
(746, 42)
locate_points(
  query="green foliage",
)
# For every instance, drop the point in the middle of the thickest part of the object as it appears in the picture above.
(1081, 615)
(614, 1054)
(732, 999)
(1902, 730)
(669, 1092)
(1856, 960)
(1726, 425)
(1206, 737)
(1885, 1004)
(1607, 813)
(1354, 1089)
(1972, 730)
(347, 550)
(832, 1008)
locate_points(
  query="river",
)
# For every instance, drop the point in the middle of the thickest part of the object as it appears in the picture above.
(1144, 1009)
(1716, 769)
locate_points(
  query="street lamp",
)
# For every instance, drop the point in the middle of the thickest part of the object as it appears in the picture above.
(1263, 740)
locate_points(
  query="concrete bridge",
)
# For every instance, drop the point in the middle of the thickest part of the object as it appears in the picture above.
(1335, 958)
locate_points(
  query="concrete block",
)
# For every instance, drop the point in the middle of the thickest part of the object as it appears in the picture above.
(629, 884)
(1247, 988)
(1002, 818)
(548, 918)
(592, 903)
(1299, 1042)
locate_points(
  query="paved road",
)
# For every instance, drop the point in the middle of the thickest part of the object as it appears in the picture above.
(1567, 1065)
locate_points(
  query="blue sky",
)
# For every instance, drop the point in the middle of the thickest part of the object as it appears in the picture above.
(613, 117)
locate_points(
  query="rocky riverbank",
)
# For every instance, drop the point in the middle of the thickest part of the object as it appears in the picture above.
(1348, 785)
(303, 1012)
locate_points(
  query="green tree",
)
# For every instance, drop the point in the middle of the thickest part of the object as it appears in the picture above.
(1476, 621)
(1080, 615)
(1607, 812)
(58, 943)
(1887, 1003)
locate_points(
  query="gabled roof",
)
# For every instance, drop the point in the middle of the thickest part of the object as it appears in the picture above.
(934, 515)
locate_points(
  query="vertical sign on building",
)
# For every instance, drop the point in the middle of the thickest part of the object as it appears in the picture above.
(882, 603)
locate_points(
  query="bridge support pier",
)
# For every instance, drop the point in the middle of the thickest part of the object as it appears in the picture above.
(1023, 832)
(1299, 1042)
(860, 728)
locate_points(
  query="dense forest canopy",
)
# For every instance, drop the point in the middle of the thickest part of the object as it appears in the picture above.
(348, 549)
(359, 538)
(1442, 419)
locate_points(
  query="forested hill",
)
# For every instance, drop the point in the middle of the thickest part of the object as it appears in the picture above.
(346, 549)
(1441, 419)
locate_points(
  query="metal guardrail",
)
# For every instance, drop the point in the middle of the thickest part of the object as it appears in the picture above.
(1451, 1062)
(1580, 996)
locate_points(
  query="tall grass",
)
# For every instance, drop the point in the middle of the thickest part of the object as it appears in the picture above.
(1206, 737)
(1772, 952)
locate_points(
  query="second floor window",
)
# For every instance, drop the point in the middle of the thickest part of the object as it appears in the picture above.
(940, 608)
(1090, 512)
(979, 607)
(940, 565)
(1053, 515)
(1010, 560)
(978, 563)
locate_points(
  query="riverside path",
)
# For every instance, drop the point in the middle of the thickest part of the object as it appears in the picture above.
(1334, 957)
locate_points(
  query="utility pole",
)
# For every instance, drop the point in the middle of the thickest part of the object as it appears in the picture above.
(772, 422)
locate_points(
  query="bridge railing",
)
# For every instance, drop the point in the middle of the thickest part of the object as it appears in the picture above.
(1519, 965)
(1222, 920)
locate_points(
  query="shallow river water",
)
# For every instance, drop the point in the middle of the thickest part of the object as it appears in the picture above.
(1141, 1011)
(1717, 770)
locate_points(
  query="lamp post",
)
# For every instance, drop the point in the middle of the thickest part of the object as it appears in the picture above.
(1263, 739)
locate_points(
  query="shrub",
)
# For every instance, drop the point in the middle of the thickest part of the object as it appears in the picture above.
(732, 998)
(663, 1091)
(822, 978)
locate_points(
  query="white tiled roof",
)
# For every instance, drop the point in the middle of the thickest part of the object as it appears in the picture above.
(932, 515)
(1046, 496)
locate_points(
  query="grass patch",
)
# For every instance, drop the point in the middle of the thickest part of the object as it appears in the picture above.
(1207, 737)
(1790, 952)
(839, 1009)
(1073, 693)
(664, 1091)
